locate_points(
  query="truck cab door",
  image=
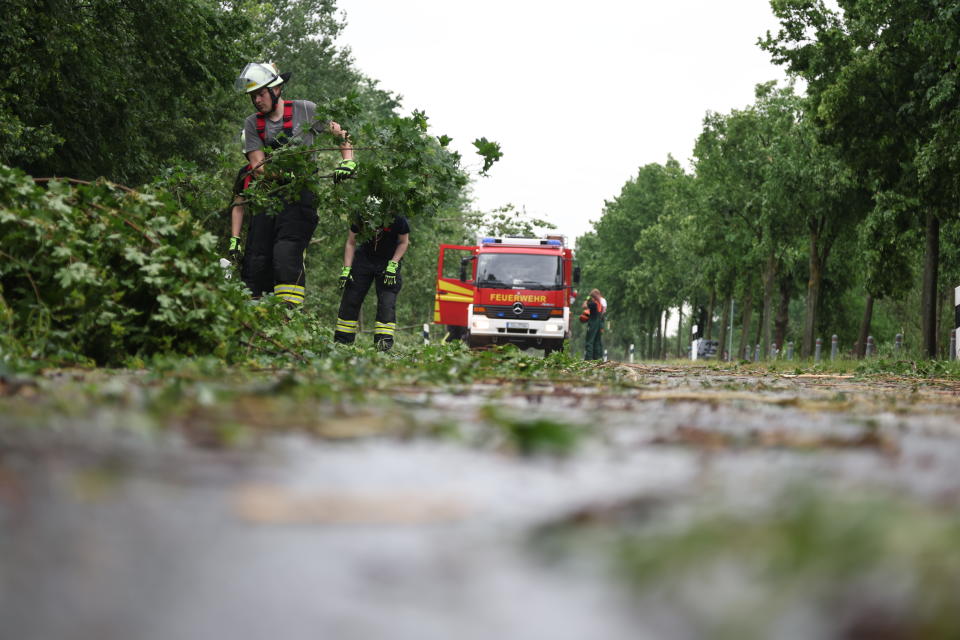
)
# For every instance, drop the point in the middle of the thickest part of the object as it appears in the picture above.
(453, 295)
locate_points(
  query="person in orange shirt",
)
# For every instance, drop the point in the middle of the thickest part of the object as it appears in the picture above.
(593, 343)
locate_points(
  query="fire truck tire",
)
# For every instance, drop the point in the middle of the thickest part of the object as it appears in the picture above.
(455, 332)
(553, 346)
(482, 342)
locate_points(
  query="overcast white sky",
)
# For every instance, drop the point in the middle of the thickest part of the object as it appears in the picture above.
(578, 94)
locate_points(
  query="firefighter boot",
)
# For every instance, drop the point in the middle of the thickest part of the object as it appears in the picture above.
(383, 335)
(388, 286)
(346, 331)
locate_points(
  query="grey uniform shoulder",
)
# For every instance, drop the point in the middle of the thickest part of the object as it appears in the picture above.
(252, 140)
(309, 110)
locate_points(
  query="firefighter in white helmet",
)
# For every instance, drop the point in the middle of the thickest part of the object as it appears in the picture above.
(273, 259)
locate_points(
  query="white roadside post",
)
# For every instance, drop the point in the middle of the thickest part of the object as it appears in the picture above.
(956, 321)
(426, 333)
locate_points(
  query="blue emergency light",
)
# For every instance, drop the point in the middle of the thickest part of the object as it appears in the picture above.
(523, 242)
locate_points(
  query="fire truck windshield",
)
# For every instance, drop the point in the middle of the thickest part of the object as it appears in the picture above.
(519, 271)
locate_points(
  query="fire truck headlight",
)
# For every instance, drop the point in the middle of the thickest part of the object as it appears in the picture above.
(479, 322)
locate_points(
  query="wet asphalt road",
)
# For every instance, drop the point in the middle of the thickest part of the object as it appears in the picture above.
(112, 528)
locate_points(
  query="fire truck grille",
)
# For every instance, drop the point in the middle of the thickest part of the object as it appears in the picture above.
(529, 313)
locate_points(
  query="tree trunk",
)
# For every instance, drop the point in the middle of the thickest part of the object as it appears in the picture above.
(783, 313)
(654, 332)
(708, 329)
(757, 337)
(769, 276)
(648, 337)
(658, 343)
(664, 347)
(865, 327)
(724, 318)
(928, 306)
(745, 317)
(813, 295)
(679, 330)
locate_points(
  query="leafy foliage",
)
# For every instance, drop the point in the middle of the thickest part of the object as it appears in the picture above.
(102, 273)
(490, 152)
(506, 222)
(116, 88)
(140, 94)
(841, 195)
(883, 85)
(807, 208)
(638, 253)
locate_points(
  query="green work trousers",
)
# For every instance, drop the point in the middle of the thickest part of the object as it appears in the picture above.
(593, 347)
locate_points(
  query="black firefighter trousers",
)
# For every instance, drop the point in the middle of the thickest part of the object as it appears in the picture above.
(276, 244)
(366, 271)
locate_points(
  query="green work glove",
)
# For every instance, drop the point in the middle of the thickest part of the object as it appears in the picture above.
(390, 275)
(234, 251)
(345, 277)
(344, 170)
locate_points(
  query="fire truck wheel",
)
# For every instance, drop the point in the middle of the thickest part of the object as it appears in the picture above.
(552, 347)
(455, 332)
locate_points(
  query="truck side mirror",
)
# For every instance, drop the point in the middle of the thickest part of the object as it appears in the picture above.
(576, 275)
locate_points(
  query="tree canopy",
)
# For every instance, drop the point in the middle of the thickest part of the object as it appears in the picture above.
(108, 93)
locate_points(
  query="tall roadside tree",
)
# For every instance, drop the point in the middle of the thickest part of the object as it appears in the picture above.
(142, 92)
(769, 183)
(735, 155)
(884, 87)
(813, 193)
(642, 253)
(609, 253)
(116, 88)
(667, 272)
(300, 36)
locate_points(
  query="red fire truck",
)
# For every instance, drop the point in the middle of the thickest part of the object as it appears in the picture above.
(507, 290)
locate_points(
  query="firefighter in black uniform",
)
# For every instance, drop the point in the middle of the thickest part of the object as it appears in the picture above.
(277, 239)
(375, 261)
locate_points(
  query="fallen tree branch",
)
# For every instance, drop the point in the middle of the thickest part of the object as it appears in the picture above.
(87, 183)
(278, 345)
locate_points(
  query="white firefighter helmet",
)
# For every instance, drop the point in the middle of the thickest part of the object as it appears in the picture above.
(257, 75)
